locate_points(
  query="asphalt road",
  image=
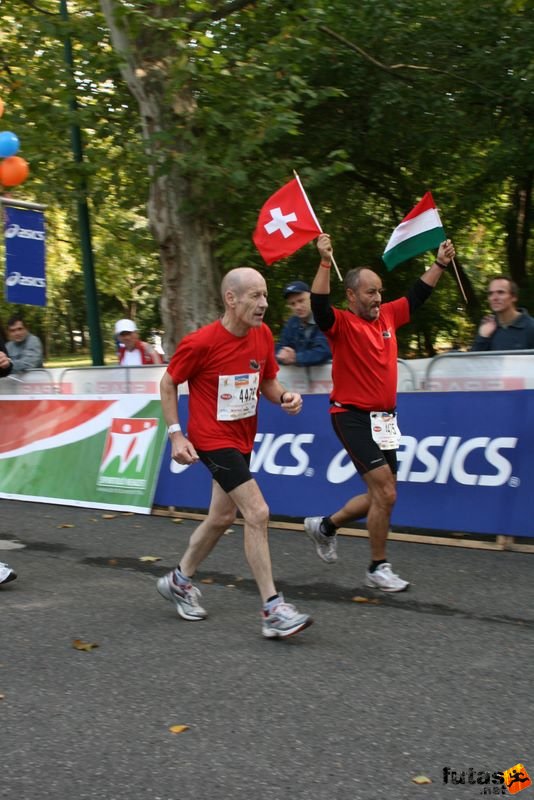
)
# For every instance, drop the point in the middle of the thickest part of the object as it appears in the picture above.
(372, 695)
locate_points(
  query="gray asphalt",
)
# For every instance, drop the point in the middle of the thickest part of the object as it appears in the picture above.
(370, 696)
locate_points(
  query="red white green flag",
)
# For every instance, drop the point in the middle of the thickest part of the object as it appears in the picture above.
(419, 231)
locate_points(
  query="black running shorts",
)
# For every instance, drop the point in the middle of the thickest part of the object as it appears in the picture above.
(353, 429)
(228, 467)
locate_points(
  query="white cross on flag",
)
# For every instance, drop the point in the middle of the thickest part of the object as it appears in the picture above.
(286, 223)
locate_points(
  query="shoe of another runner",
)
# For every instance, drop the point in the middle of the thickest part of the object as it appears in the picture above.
(185, 597)
(6, 573)
(283, 621)
(385, 579)
(325, 546)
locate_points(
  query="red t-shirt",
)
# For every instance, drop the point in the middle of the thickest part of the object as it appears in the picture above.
(201, 359)
(364, 357)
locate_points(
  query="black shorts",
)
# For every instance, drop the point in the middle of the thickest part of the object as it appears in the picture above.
(353, 429)
(228, 467)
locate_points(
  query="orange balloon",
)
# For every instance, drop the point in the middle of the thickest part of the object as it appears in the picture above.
(13, 170)
(1, 106)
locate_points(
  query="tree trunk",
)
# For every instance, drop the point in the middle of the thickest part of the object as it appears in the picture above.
(190, 278)
(518, 228)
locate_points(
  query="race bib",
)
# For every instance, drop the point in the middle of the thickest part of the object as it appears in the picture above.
(385, 430)
(238, 396)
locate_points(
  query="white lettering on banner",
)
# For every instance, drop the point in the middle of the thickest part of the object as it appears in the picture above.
(15, 231)
(451, 461)
(25, 280)
(270, 447)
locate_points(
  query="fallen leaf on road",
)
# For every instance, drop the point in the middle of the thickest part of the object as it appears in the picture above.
(178, 728)
(113, 562)
(78, 644)
(178, 521)
(108, 516)
(150, 558)
(229, 530)
(372, 600)
(421, 779)
(207, 580)
(2, 696)
(66, 525)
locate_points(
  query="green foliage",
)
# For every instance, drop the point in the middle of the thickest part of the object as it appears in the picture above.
(373, 104)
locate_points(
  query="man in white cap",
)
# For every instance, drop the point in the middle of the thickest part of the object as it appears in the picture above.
(132, 351)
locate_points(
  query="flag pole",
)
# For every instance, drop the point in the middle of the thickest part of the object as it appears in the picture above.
(458, 279)
(312, 212)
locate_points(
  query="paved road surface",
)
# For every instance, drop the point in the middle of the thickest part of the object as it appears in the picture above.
(372, 695)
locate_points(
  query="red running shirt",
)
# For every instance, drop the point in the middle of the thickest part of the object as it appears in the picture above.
(364, 357)
(200, 359)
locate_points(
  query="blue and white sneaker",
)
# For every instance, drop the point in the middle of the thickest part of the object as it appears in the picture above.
(283, 621)
(6, 573)
(185, 597)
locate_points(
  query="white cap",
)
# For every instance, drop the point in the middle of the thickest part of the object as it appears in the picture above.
(125, 326)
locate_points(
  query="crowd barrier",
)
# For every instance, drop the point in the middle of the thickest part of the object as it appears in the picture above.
(466, 418)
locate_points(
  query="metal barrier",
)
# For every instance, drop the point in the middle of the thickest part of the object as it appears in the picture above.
(498, 370)
(111, 380)
(34, 381)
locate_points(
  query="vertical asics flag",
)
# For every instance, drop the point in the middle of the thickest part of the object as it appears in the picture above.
(419, 231)
(25, 277)
(286, 223)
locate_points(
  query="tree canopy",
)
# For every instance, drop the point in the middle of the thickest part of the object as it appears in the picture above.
(194, 112)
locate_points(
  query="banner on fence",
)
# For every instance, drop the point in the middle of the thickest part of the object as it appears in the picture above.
(25, 277)
(463, 463)
(98, 453)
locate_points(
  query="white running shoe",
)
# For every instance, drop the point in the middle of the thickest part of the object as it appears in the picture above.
(184, 596)
(325, 546)
(283, 620)
(383, 578)
(6, 573)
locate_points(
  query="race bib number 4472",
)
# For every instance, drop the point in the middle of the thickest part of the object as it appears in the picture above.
(238, 396)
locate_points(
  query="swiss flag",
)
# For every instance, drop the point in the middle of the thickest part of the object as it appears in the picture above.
(286, 223)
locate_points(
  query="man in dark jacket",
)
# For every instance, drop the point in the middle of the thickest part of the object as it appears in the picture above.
(301, 343)
(507, 327)
(6, 573)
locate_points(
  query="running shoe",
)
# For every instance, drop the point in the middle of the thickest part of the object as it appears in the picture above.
(385, 579)
(325, 546)
(184, 596)
(6, 573)
(283, 621)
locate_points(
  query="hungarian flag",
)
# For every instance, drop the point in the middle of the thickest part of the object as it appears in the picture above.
(286, 223)
(419, 231)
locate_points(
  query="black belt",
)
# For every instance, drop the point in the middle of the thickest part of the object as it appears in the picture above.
(350, 407)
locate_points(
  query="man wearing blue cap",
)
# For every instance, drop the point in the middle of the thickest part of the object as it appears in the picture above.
(301, 343)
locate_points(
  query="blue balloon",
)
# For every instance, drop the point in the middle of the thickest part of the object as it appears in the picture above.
(9, 144)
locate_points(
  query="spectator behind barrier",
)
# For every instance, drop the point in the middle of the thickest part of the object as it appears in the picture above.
(25, 350)
(507, 327)
(301, 343)
(132, 351)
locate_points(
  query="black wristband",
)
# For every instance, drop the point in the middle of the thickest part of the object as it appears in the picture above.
(440, 265)
(282, 397)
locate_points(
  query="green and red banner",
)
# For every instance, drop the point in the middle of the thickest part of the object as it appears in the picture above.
(98, 453)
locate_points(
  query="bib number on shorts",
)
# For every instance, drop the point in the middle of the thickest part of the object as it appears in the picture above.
(238, 396)
(385, 430)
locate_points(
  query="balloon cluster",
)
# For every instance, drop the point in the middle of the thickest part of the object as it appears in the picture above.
(13, 169)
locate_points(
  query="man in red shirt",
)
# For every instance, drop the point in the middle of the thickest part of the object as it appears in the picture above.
(227, 364)
(364, 397)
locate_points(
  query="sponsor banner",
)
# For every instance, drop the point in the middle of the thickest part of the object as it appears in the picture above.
(98, 453)
(463, 463)
(25, 277)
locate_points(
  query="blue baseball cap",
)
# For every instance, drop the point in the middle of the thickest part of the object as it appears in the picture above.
(296, 287)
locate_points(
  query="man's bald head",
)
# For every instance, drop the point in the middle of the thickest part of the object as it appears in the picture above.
(239, 280)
